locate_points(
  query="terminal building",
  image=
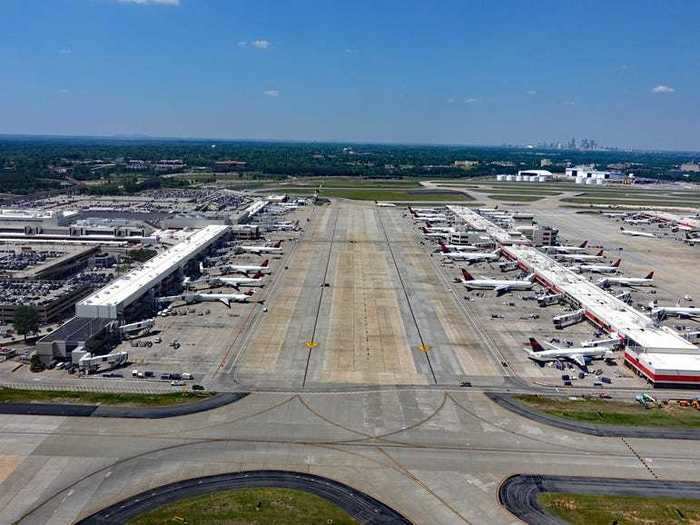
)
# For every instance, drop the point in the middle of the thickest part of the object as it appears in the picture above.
(114, 300)
(657, 353)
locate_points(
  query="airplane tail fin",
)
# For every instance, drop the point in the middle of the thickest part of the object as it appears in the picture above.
(278, 244)
(650, 275)
(258, 275)
(530, 277)
(249, 292)
(616, 264)
(535, 345)
(443, 248)
(467, 276)
(600, 253)
(583, 244)
(265, 263)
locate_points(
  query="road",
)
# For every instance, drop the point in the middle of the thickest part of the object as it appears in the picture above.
(435, 457)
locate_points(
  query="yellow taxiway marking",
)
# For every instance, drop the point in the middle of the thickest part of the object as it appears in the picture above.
(311, 344)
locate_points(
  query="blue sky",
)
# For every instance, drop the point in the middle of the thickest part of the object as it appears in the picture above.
(625, 73)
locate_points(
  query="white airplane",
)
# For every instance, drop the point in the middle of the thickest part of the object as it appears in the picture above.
(579, 355)
(684, 312)
(501, 286)
(566, 249)
(471, 257)
(628, 281)
(259, 250)
(634, 233)
(433, 235)
(597, 268)
(632, 220)
(431, 228)
(615, 215)
(256, 280)
(246, 269)
(457, 247)
(226, 298)
(579, 257)
(385, 204)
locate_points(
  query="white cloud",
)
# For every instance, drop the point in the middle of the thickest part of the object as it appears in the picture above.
(65, 51)
(532, 92)
(272, 92)
(242, 43)
(151, 2)
(451, 100)
(64, 91)
(470, 100)
(662, 89)
(261, 44)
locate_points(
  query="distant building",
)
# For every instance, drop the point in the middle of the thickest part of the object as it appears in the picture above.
(465, 164)
(690, 167)
(545, 162)
(225, 166)
(589, 172)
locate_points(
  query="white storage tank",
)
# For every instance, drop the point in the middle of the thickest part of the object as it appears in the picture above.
(500, 178)
(589, 181)
(541, 179)
(580, 180)
(600, 182)
(533, 178)
(518, 178)
(509, 177)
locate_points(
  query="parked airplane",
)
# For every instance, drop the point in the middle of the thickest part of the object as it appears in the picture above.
(597, 268)
(431, 228)
(256, 280)
(628, 281)
(632, 220)
(433, 235)
(247, 269)
(385, 204)
(579, 355)
(634, 233)
(259, 250)
(579, 257)
(471, 257)
(226, 298)
(566, 249)
(684, 312)
(501, 286)
(457, 247)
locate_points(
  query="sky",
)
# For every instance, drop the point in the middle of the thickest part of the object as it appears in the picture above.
(624, 73)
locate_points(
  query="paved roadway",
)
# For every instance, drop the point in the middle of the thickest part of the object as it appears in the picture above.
(435, 457)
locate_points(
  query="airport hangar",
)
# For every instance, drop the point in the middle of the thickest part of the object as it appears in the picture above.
(120, 299)
(654, 352)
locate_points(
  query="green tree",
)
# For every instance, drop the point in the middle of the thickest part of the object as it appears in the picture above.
(26, 320)
(35, 364)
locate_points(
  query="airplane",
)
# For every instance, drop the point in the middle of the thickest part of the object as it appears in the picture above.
(433, 235)
(628, 281)
(634, 233)
(566, 249)
(597, 268)
(385, 204)
(226, 298)
(579, 257)
(457, 247)
(501, 286)
(684, 312)
(247, 269)
(632, 220)
(471, 257)
(256, 280)
(259, 250)
(431, 228)
(615, 215)
(578, 355)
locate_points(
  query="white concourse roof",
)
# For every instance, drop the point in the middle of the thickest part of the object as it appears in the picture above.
(616, 313)
(478, 222)
(131, 286)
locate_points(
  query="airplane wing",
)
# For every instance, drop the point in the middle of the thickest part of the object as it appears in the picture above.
(578, 359)
(500, 290)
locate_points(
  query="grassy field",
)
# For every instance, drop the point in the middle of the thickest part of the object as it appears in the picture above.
(12, 395)
(588, 509)
(655, 201)
(515, 197)
(375, 194)
(264, 506)
(614, 412)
